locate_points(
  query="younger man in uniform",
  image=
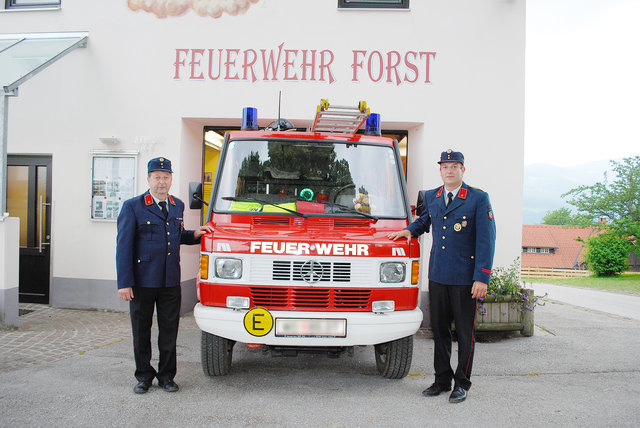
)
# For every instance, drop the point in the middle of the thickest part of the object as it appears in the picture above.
(460, 264)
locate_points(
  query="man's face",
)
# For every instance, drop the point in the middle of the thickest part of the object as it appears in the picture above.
(159, 183)
(451, 173)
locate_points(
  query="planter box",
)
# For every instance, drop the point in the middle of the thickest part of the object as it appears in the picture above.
(503, 313)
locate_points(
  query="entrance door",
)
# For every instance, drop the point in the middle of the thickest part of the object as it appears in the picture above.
(29, 198)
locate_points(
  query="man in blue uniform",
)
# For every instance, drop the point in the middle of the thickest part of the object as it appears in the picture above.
(460, 263)
(150, 231)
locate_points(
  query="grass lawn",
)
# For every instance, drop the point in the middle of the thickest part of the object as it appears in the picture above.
(626, 283)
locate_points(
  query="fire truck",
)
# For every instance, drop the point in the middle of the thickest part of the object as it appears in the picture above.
(299, 259)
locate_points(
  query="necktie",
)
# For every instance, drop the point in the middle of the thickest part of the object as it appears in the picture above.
(450, 196)
(163, 205)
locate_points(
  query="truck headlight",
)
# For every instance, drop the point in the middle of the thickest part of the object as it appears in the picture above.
(228, 268)
(392, 272)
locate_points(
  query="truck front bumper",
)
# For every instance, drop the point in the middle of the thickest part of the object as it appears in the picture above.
(362, 328)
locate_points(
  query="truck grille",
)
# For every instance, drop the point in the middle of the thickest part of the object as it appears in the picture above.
(287, 270)
(311, 298)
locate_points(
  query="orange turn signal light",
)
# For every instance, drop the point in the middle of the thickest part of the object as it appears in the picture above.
(415, 272)
(204, 266)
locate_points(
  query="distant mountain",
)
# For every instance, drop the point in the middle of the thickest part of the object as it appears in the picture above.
(543, 185)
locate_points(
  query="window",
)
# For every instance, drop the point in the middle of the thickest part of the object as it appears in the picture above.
(31, 4)
(538, 250)
(373, 4)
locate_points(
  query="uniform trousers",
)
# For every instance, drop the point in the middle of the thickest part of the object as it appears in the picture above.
(452, 303)
(167, 301)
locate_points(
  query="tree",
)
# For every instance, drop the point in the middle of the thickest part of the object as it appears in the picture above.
(606, 254)
(563, 217)
(560, 217)
(618, 200)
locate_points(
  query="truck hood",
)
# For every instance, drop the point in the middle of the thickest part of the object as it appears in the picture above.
(311, 237)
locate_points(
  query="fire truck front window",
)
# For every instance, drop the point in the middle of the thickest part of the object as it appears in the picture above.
(315, 177)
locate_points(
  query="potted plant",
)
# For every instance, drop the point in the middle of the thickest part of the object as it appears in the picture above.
(508, 306)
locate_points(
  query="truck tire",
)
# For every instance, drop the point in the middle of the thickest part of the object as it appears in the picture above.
(393, 359)
(216, 353)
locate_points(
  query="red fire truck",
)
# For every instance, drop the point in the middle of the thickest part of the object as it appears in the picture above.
(299, 260)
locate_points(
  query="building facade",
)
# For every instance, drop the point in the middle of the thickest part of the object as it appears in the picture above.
(156, 75)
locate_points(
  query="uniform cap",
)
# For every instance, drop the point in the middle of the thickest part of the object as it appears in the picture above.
(451, 156)
(159, 164)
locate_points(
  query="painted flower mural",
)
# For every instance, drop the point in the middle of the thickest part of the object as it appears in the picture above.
(212, 8)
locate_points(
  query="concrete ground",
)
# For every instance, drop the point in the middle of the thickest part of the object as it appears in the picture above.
(75, 368)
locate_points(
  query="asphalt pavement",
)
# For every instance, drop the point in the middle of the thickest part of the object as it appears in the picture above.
(624, 305)
(579, 369)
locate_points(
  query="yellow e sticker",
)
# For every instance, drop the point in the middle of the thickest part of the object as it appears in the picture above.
(258, 321)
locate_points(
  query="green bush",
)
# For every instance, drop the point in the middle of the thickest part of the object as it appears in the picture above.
(606, 254)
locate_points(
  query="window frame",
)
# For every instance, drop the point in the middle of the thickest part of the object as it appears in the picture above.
(367, 4)
(12, 5)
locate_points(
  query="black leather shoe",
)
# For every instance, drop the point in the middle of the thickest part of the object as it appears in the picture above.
(435, 389)
(458, 395)
(169, 386)
(142, 387)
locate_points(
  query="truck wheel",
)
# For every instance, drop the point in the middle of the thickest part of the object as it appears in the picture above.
(216, 354)
(393, 359)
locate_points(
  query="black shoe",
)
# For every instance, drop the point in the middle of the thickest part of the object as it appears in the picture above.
(169, 386)
(435, 389)
(142, 387)
(458, 395)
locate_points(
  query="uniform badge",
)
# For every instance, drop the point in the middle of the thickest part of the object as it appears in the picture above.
(457, 227)
(491, 215)
(148, 200)
(439, 193)
(464, 223)
(462, 194)
(171, 200)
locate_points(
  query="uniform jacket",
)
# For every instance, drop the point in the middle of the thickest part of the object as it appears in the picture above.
(148, 246)
(463, 234)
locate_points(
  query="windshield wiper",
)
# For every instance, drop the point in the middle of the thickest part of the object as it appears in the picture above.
(262, 202)
(349, 210)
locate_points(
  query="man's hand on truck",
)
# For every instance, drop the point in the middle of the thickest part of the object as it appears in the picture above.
(400, 234)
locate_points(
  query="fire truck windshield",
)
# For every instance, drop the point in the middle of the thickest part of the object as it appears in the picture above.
(314, 177)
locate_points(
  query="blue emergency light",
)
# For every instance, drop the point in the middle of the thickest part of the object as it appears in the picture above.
(249, 119)
(372, 127)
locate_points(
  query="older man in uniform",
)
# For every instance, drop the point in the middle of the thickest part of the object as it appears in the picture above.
(150, 231)
(460, 265)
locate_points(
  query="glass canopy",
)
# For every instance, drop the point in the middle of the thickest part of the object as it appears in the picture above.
(24, 55)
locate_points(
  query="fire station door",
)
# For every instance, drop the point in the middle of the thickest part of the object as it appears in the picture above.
(29, 198)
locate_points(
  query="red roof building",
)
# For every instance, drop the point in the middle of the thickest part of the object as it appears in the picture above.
(546, 246)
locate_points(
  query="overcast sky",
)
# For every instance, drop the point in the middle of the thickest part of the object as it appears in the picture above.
(582, 81)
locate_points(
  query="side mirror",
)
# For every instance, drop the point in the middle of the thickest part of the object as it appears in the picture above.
(417, 209)
(195, 196)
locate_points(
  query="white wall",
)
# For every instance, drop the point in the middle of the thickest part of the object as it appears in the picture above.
(122, 84)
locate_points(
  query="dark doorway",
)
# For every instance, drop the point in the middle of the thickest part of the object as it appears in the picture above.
(29, 198)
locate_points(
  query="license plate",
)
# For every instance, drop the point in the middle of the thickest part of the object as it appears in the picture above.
(310, 327)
